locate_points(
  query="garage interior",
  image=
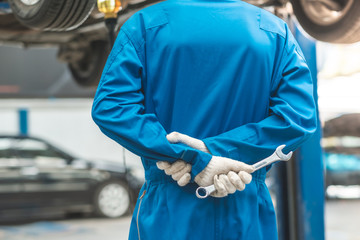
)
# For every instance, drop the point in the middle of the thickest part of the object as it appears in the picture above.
(42, 94)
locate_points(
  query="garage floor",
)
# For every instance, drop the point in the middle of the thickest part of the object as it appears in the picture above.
(73, 229)
(342, 223)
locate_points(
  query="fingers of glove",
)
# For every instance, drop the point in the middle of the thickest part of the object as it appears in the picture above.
(230, 188)
(220, 188)
(187, 169)
(175, 167)
(203, 182)
(236, 180)
(162, 165)
(173, 137)
(185, 179)
(245, 177)
(193, 142)
(176, 137)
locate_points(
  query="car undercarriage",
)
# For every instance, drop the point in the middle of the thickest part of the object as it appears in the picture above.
(77, 27)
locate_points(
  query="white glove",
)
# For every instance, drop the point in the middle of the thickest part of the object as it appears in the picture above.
(179, 171)
(229, 183)
(176, 137)
(218, 166)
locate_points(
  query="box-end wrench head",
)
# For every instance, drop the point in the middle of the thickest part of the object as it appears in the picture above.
(278, 155)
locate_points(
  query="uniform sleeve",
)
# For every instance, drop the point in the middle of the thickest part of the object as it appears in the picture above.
(119, 111)
(292, 117)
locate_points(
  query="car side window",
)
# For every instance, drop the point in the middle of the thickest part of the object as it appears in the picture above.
(7, 155)
(29, 148)
(5, 148)
(37, 153)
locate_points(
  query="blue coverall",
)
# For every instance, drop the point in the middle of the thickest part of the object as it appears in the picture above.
(222, 71)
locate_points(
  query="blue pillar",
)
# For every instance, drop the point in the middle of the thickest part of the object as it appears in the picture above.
(23, 121)
(309, 164)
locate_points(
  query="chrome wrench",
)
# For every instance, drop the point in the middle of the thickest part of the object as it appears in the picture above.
(278, 155)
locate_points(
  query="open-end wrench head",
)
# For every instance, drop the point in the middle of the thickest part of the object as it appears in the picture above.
(281, 155)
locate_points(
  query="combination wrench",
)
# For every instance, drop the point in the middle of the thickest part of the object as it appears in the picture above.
(278, 155)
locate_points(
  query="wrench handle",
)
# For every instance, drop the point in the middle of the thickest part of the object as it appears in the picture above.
(204, 192)
(265, 162)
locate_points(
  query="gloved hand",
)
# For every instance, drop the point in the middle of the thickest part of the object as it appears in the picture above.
(218, 166)
(179, 171)
(228, 183)
(176, 137)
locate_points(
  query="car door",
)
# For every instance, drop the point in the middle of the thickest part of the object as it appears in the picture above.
(50, 181)
(10, 183)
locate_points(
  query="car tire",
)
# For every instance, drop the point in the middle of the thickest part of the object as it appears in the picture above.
(87, 71)
(112, 199)
(320, 22)
(52, 15)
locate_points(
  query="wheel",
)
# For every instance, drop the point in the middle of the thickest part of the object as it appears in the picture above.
(112, 199)
(336, 21)
(87, 71)
(54, 15)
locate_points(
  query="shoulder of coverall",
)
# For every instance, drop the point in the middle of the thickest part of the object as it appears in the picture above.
(150, 17)
(271, 23)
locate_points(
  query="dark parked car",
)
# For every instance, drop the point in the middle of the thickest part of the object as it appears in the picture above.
(39, 180)
(78, 29)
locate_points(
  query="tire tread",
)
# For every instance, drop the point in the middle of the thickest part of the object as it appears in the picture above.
(53, 15)
(346, 30)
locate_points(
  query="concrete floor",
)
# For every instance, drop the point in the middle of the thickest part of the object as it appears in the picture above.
(342, 223)
(71, 229)
(342, 219)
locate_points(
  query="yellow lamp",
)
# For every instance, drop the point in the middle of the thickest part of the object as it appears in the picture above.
(109, 7)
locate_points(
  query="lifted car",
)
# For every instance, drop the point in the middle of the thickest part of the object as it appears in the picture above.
(77, 27)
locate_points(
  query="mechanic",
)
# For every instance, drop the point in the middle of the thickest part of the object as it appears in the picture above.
(231, 82)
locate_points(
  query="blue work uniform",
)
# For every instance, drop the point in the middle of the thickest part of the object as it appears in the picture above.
(223, 71)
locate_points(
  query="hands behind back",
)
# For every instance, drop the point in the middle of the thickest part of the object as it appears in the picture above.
(226, 174)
